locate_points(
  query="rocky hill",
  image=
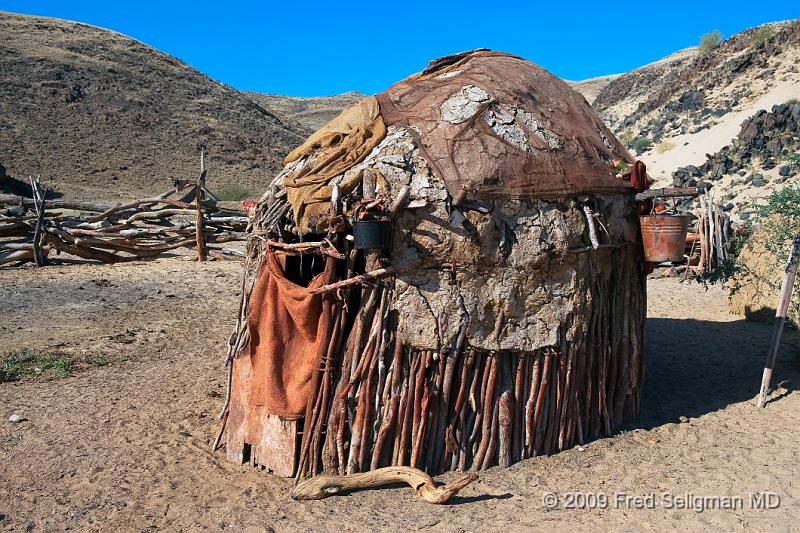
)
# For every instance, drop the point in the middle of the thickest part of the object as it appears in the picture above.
(676, 111)
(101, 115)
(619, 100)
(762, 157)
(590, 88)
(306, 114)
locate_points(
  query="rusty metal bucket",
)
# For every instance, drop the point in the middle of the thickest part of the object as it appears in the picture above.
(664, 237)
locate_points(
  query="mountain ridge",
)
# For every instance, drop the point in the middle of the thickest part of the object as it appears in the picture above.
(100, 114)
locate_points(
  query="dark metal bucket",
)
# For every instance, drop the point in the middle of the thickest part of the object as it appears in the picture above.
(369, 234)
(664, 237)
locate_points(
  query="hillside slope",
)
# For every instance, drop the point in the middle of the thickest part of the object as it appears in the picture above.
(306, 114)
(590, 88)
(679, 109)
(762, 158)
(101, 115)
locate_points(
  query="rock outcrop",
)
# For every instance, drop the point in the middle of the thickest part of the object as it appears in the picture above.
(691, 91)
(765, 141)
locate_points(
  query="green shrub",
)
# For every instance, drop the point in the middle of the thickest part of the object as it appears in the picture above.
(760, 35)
(709, 41)
(640, 144)
(626, 137)
(28, 362)
(233, 193)
(99, 360)
(784, 203)
(793, 160)
(777, 221)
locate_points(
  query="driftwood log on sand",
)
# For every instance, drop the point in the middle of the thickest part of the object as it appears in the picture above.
(317, 488)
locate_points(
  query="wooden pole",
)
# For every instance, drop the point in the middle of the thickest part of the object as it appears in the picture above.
(201, 183)
(712, 248)
(38, 197)
(592, 227)
(398, 202)
(13, 199)
(361, 278)
(670, 192)
(780, 318)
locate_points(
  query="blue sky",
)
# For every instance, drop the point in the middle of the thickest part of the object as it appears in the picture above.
(317, 48)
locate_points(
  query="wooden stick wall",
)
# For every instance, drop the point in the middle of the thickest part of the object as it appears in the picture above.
(382, 402)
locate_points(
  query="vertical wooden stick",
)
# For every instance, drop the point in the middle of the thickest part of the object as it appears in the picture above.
(311, 405)
(201, 183)
(411, 400)
(388, 419)
(466, 422)
(531, 404)
(488, 413)
(552, 405)
(564, 412)
(491, 437)
(423, 418)
(539, 413)
(450, 358)
(517, 407)
(401, 417)
(456, 426)
(366, 428)
(38, 203)
(417, 413)
(504, 416)
(712, 248)
(787, 285)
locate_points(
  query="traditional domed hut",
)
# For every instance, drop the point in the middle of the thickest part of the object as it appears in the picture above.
(448, 275)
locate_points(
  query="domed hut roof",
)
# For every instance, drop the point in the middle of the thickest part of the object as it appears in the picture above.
(503, 263)
(493, 125)
(490, 125)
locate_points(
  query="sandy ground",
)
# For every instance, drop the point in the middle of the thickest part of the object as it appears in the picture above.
(124, 446)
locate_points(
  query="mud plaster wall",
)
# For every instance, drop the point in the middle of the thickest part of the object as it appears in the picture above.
(468, 266)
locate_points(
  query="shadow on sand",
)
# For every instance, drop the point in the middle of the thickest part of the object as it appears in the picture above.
(694, 367)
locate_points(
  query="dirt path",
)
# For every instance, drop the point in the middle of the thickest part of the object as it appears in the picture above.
(122, 446)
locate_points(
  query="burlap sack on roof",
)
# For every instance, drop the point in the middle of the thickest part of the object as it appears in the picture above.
(339, 145)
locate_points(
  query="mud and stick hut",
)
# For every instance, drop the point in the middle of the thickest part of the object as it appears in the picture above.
(447, 276)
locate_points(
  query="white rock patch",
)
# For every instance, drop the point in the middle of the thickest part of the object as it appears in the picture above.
(463, 105)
